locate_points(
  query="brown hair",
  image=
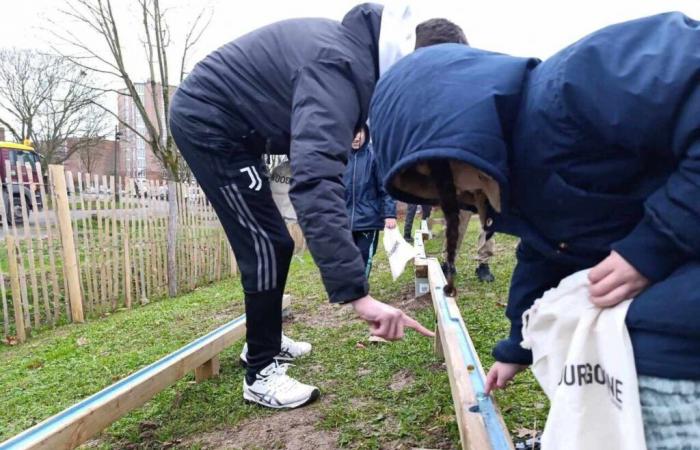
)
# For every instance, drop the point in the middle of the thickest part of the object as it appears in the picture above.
(439, 31)
(441, 174)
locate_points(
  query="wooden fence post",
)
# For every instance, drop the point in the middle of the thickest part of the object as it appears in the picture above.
(172, 238)
(16, 291)
(70, 259)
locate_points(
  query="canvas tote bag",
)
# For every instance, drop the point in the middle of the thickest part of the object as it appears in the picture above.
(583, 359)
(280, 181)
(398, 251)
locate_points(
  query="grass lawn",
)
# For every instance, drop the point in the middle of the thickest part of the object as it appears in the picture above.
(373, 396)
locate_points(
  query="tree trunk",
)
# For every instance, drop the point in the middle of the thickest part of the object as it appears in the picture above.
(172, 238)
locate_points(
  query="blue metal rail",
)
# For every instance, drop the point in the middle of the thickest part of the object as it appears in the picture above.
(449, 313)
(40, 434)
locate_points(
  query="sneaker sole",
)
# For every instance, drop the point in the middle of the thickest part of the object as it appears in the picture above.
(315, 394)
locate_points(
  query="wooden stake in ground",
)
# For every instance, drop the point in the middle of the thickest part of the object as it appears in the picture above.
(16, 293)
(70, 260)
(40, 242)
(115, 243)
(126, 229)
(89, 294)
(5, 313)
(9, 171)
(50, 234)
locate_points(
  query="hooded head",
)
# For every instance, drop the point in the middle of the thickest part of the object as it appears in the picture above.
(449, 104)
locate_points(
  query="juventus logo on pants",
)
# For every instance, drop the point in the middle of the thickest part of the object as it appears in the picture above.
(255, 181)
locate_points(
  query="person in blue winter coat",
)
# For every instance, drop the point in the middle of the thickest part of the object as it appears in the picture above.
(592, 158)
(370, 208)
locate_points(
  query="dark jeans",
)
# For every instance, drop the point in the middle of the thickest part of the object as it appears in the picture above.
(367, 242)
(236, 184)
(410, 215)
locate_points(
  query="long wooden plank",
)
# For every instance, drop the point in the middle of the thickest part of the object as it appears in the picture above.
(78, 423)
(481, 426)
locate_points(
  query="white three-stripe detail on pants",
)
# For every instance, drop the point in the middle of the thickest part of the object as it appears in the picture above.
(264, 250)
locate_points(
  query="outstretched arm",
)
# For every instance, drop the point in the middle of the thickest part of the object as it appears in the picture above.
(325, 114)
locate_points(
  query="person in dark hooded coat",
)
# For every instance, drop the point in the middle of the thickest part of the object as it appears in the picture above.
(370, 208)
(592, 158)
(299, 87)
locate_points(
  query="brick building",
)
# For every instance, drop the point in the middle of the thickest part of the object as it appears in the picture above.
(135, 155)
(96, 158)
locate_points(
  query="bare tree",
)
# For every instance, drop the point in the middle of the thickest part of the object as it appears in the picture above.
(46, 98)
(106, 55)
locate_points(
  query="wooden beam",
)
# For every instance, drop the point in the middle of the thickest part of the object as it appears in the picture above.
(481, 426)
(420, 264)
(78, 423)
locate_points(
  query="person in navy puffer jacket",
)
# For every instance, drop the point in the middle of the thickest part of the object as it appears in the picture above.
(592, 158)
(370, 208)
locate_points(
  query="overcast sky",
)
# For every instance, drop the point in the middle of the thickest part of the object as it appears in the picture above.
(525, 28)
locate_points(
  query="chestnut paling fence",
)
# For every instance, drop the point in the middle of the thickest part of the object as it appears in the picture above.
(99, 243)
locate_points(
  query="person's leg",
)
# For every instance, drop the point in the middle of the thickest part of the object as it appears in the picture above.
(671, 413)
(408, 225)
(425, 211)
(464, 217)
(372, 251)
(234, 183)
(366, 242)
(484, 252)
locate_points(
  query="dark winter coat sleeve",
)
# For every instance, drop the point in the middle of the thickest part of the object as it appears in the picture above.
(325, 113)
(650, 81)
(533, 275)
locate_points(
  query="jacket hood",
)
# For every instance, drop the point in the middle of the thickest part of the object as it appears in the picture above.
(388, 30)
(363, 23)
(447, 101)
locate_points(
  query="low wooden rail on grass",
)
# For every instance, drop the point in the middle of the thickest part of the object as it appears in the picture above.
(78, 423)
(481, 426)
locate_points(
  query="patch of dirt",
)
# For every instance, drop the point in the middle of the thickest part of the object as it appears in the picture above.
(401, 380)
(411, 304)
(288, 430)
(327, 315)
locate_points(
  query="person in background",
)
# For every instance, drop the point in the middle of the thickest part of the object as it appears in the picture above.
(411, 210)
(370, 208)
(484, 250)
(485, 245)
(592, 158)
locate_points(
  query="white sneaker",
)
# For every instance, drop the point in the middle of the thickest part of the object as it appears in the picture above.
(275, 389)
(289, 351)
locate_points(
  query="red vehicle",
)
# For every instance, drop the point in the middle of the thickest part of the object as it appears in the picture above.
(22, 153)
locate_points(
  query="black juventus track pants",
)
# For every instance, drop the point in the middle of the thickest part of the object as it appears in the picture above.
(236, 184)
